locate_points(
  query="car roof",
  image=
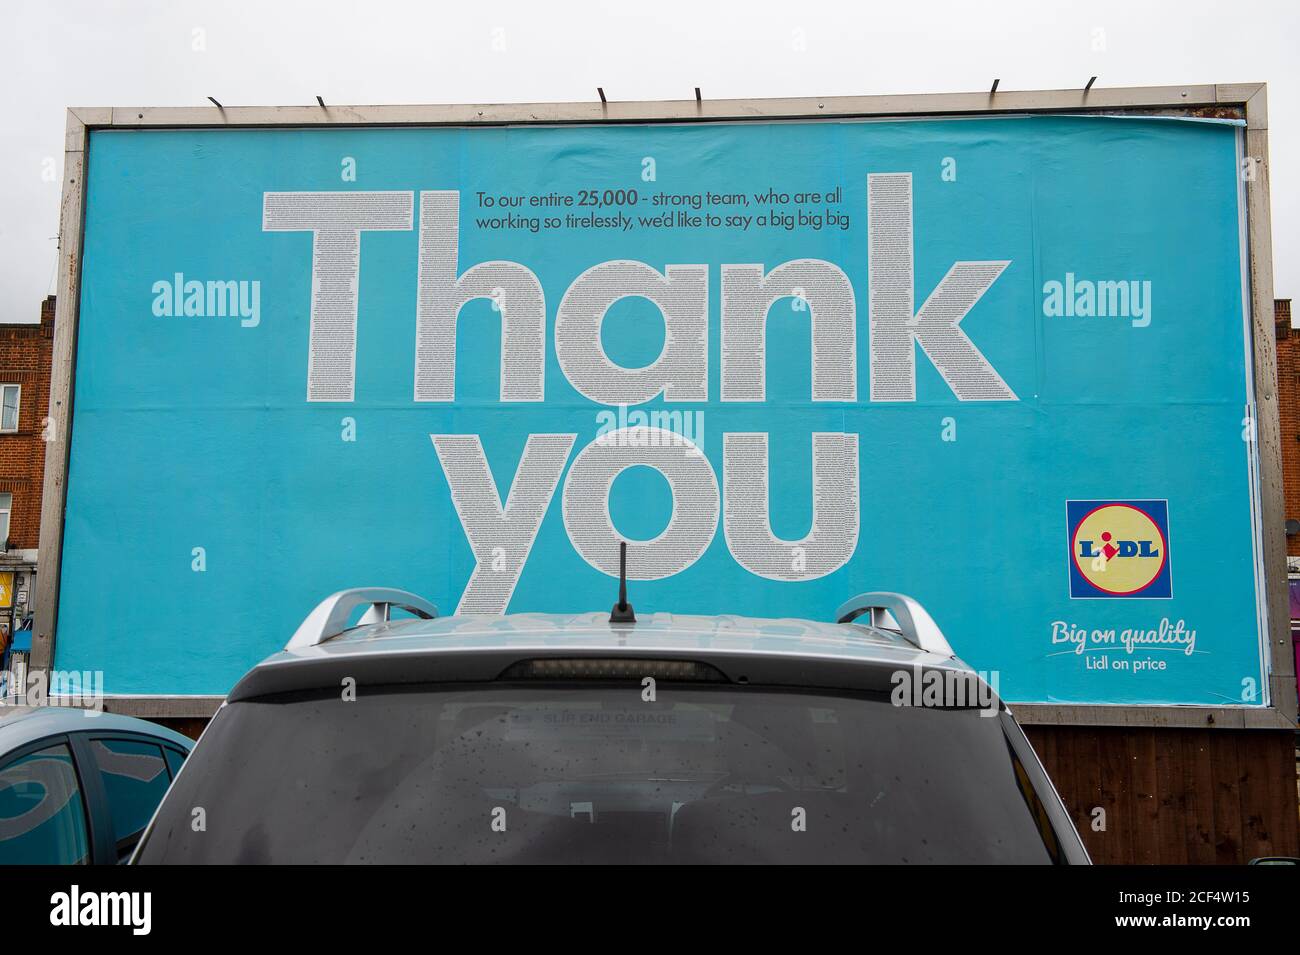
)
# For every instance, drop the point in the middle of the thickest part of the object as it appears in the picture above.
(594, 631)
(20, 725)
(661, 635)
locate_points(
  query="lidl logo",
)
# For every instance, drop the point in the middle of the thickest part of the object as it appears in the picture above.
(1119, 548)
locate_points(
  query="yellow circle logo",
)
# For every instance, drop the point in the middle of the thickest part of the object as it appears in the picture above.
(1119, 548)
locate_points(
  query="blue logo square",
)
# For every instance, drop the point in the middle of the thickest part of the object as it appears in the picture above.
(1119, 549)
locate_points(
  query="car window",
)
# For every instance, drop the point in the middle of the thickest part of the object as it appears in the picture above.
(535, 773)
(42, 814)
(174, 759)
(135, 777)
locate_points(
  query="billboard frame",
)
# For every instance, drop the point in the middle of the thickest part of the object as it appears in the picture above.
(1246, 101)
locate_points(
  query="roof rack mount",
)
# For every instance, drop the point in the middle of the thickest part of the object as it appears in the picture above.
(890, 611)
(330, 618)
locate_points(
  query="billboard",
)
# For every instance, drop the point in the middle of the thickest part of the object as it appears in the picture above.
(1002, 364)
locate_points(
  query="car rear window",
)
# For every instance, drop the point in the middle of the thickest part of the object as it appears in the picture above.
(596, 773)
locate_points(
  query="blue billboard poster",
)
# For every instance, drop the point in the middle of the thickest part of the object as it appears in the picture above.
(1001, 364)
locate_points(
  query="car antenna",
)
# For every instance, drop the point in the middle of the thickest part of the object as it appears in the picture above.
(622, 612)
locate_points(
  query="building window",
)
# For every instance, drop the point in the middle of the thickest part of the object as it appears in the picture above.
(9, 413)
(6, 505)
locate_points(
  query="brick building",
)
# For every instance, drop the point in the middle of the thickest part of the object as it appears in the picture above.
(26, 353)
(1288, 404)
(1288, 408)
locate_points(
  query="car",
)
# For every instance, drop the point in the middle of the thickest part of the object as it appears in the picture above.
(407, 737)
(77, 786)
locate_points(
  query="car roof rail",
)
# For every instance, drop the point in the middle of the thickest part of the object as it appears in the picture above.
(890, 611)
(330, 618)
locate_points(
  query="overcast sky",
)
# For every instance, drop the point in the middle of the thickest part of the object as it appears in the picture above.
(60, 53)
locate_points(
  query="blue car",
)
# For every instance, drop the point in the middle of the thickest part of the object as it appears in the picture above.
(78, 787)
